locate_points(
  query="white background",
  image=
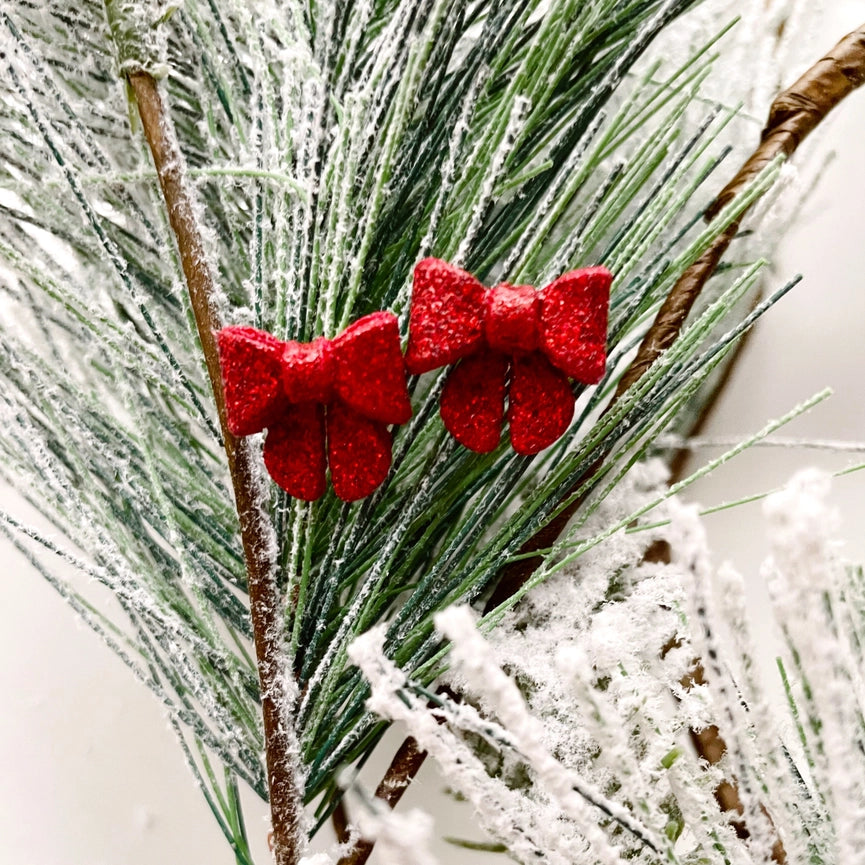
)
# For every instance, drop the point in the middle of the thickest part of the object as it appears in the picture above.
(90, 771)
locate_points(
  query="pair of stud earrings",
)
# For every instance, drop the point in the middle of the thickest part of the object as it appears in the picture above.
(330, 402)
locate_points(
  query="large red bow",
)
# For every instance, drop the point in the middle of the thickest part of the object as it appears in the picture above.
(544, 337)
(352, 386)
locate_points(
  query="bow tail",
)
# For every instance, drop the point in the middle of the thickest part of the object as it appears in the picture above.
(358, 451)
(473, 401)
(541, 404)
(294, 451)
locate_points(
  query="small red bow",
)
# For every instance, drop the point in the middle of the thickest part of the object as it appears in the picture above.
(544, 337)
(354, 385)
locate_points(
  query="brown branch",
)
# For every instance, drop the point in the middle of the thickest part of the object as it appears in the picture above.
(710, 745)
(793, 115)
(403, 768)
(264, 600)
(339, 821)
(799, 109)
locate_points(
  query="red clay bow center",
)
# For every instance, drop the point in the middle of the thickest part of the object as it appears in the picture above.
(510, 340)
(326, 402)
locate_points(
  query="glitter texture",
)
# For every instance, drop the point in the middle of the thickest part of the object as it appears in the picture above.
(511, 320)
(308, 371)
(252, 378)
(574, 323)
(358, 450)
(370, 375)
(544, 337)
(294, 451)
(473, 401)
(540, 405)
(446, 318)
(323, 402)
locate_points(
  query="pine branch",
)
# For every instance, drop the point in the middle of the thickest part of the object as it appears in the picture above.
(342, 242)
(305, 535)
(793, 115)
(264, 600)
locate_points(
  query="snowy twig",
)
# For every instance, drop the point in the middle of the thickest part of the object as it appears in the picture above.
(256, 531)
(473, 658)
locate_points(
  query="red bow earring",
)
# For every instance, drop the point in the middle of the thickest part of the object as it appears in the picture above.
(542, 337)
(327, 402)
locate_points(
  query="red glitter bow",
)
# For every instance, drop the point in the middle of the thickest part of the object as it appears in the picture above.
(349, 387)
(544, 337)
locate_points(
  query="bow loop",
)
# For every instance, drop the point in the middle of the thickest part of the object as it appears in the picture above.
(447, 313)
(369, 371)
(251, 362)
(574, 323)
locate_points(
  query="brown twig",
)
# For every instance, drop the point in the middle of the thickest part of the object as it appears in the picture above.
(793, 115)
(403, 768)
(264, 600)
(339, 821)
(707, 741)
(709, 744)
(799, 109)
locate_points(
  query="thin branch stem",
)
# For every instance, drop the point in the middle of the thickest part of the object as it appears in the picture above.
(798, 110)
(255, 529)
(404, 767)
(793, 115)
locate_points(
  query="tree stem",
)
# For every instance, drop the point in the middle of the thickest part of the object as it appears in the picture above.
(794, 113)
(255, 527)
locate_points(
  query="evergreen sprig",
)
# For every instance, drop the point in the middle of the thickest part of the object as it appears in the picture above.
(329, 146)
